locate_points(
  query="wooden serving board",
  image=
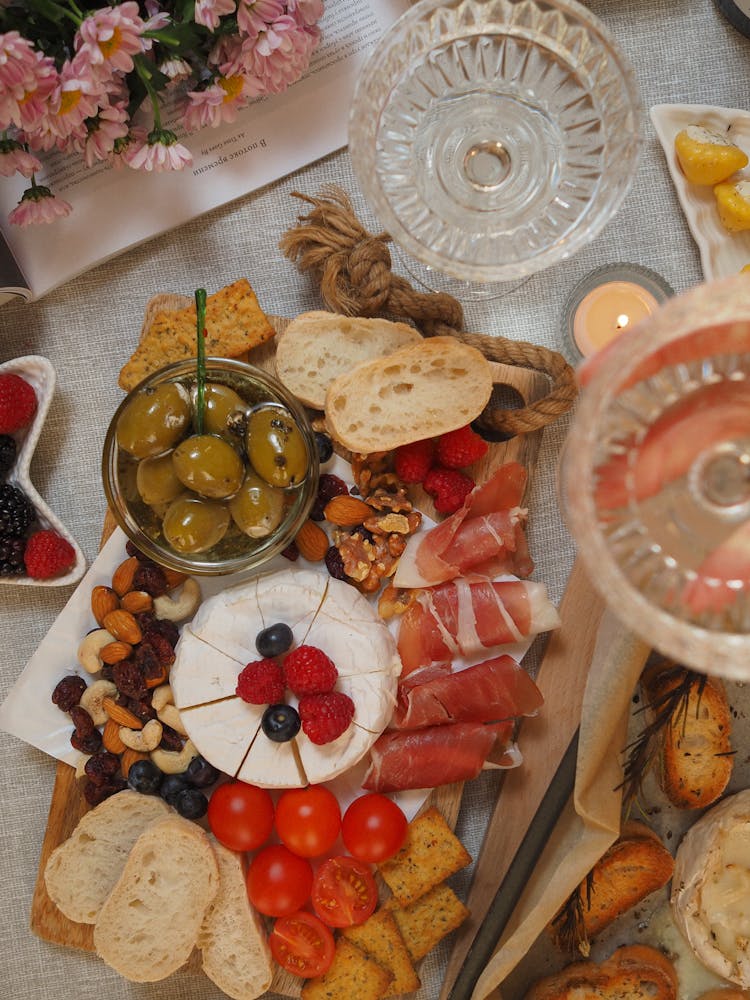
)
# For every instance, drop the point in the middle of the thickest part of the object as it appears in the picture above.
(68, 805)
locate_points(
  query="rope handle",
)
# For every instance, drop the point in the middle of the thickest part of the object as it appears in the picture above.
(353, 269)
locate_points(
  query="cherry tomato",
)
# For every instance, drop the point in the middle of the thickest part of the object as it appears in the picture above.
(344, 892)
(240, 815)
(278, 882)
(373, 828)
(308, 820)
(302, 944)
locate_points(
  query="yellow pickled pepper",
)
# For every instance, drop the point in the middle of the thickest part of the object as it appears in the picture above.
(733, 203)
(707, 157)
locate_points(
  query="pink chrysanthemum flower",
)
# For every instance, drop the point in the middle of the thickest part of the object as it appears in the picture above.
(103, 131)
(27, 79)
(280, 55)
(160, 151)
(14, 159)
(307, 12)
(227, 55)
(209, 12)
(37, 205)
(176, 69)
(218, 103)
(76, 99)
(254, 16)
(112, 36)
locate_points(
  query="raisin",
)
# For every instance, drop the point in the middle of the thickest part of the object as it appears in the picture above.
(82, 720)
(165, 628)
(96, 793)
(102, 767)
(106, 672)
(142, 707)
(91, 743)
(335, 563)
(68, 692)
(161, 646)
(329, 486)
(145, 658)
(291, 552)
(170, 739)
(129, 679)
(151, 578)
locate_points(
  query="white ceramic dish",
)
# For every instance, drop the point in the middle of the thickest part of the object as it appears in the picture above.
(722, 253)
(39, 373)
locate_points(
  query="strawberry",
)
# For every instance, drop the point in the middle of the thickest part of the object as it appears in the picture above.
(17, 403)
(459, 448)
(325, 716)
(413, 461)
(261, 683)
(48, 554)
(449, 488)
(307, 670)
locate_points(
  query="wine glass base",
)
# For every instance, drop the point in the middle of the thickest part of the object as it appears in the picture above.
(429, 279)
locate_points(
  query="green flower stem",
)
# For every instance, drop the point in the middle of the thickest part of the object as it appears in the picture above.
(143, 71)
(200, 402)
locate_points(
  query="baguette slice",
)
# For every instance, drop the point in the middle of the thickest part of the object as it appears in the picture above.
(81, 872)
(633, 972)
(150, 921)
(417, 392)
(232, 939)
(319, 346)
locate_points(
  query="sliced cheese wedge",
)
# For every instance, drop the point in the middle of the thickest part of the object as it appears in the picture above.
(272, 765)
(205, 673)
(224, 731)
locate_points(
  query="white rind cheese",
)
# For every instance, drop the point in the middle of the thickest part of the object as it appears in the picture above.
(711, 888)
(224, 729)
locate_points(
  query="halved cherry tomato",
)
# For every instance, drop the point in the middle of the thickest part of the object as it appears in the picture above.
(373, 828)
(240, 815)
(344, 892)
(278, 882)
(308, 820)
(302, 944)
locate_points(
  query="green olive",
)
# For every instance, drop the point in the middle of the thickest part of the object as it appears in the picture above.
(195, 525)
(257, 508)
(154, 420)
(275, 446)
(209, 465)
(156, 480)
(224, 409)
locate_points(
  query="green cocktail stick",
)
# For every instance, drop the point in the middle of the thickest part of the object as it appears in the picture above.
(200, 402)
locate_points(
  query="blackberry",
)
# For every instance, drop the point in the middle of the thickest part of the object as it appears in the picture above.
(7, 453)
(16, 511)
(11, 557)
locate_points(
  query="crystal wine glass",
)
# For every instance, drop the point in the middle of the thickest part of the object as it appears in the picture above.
(655, 477)
(493, 138)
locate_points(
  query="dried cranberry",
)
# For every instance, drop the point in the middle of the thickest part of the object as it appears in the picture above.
(82, 720)
(163, 627)
(142, 707)
(329, 486)
(162, 647)
(90, 743)
(145, 658)
(106, 672)
(102, 767)
(151, 578)
(170, 739)
(335, 563)
(94, 794)
(129, 679)
(291, 552)
(68, 692)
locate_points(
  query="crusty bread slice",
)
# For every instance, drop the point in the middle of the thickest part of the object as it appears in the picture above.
(633, 972)
(695, 759)
(232, 939)
(150, 921)
(417, 392)
(81, 872)
(319, 346)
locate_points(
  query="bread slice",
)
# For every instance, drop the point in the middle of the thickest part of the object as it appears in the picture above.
(417, 392)
(633, 972)
(150, 921)
(232, 938)
(319, 346)
(81, 872)
(695, 758)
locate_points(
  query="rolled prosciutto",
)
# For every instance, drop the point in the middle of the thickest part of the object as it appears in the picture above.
(491, 691)
(467, 616)
(426, 758)
(485, 536)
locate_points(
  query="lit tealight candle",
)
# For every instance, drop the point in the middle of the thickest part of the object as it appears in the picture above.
(609, 310)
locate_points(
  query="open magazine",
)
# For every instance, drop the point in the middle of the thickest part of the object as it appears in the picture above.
(117, 209)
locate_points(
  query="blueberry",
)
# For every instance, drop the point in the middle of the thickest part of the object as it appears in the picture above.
(201, 774)
(280, 723)
(324, 446)
(145, 777)
(171, 787)
(191, 804)
(274, 640)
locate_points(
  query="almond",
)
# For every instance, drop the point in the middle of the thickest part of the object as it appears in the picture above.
(103, 600)
(122, 579)
(114, 652)
(137, 600)
(123, 626)
(312, 541)
(111, 737)
(128, 758)
(173, 577)
(347, 511)
(121, 715)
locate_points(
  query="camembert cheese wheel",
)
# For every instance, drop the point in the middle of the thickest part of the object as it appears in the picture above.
(220, 641)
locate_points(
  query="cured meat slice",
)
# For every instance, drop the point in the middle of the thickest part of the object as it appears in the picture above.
(426, 758)
(488, 692)
(467, 616)
(485, 536)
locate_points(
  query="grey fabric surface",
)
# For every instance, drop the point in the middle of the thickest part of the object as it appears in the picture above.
(682, 50)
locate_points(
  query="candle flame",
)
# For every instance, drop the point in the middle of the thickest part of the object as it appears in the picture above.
(622, 321)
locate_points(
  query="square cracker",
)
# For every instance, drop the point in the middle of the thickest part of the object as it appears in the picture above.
(429, 855)
(380, 937)
(235, 324)
(426, 922)
(353, 975)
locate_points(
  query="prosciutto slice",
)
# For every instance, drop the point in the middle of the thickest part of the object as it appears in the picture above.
(426, 758)
(491, 691)
(465, 617)
(486, 535)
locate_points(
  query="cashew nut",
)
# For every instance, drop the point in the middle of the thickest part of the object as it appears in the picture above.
(177, 609)
(172, 761)
(93, 697)
(161, 696)
(91, 646)
(144, 739)
(162, 701)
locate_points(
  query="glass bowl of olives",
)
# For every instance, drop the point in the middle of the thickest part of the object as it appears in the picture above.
(214, 496)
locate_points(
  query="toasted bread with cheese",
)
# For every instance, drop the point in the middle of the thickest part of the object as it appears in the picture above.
(633, 972)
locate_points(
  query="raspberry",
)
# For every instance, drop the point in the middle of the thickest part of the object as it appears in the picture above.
(329, 486)
(307, 670)
(449, 489)
(261, 683)
(325, 716)
(413, 461)
(17, 403)
(459, 448)
(48, 554)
